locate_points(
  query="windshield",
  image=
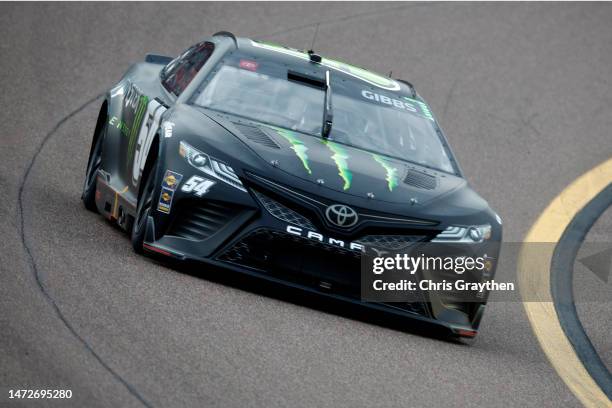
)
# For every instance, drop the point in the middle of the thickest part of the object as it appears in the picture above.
(400, 128)
(265, 99)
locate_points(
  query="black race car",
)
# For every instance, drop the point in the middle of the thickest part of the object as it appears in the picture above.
(281, 164)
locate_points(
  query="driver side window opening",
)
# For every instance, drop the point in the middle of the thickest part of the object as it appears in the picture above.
(179, 73)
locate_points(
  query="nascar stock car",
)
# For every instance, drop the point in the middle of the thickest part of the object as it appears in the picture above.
(236, 154)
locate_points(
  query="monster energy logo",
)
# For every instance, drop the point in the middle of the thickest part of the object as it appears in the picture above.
(340, 157)
(138, 115)
(297, 146)
(392, 179)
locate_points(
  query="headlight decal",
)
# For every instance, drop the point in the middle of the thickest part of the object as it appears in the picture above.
(210, 165)
(466, 234)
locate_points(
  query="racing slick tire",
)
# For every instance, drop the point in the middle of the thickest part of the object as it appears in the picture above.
(145, 203)
(91, 174)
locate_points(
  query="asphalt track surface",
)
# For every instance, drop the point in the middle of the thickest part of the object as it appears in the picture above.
(522, 90)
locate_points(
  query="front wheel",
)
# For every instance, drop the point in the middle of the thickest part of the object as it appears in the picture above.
(91, 174)
(145, 204)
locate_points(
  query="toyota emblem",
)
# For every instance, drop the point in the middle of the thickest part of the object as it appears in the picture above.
(341, 215)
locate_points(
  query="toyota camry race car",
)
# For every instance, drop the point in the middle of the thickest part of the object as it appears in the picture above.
(284, 165)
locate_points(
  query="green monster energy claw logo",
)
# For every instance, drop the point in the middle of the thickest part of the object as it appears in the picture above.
(392, 179)
(297, 146)
(340, 157)
(138, 115)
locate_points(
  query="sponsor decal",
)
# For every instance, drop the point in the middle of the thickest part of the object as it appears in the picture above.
(297, 145)
(249, 65)
(132, 96)
(149, 116)
(140, 120)
(119, 124)
(197, 185)
(407, 104)
(168, 128)
(137, 121)
(300, 232)
(392, 178)
(340, 157)
(134, 106)
(165, 200)
(424, 108)
(171, 180)
(170, 183)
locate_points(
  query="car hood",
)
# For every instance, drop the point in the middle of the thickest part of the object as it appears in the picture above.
(339, 167)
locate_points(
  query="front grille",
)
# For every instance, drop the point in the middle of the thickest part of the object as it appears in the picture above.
(391, 242)
(305, 199)
(307, 262)
(282, 212)
(297, 259)
(199, 220)
(420, 180)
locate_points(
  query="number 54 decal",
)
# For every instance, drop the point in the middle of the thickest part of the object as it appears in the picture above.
(197, 185)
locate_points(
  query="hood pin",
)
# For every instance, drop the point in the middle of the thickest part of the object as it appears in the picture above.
(413, 201)
(274, 163)
(371, 196)
(320, 182)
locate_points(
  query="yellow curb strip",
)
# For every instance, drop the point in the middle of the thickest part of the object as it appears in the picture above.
(534, 282)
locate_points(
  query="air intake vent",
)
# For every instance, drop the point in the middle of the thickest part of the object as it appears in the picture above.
(391, 242)
(256, 135)
(420, 180)
(283, 213)
(199, 220)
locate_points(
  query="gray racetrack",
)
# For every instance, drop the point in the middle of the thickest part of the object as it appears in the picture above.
(523, 91)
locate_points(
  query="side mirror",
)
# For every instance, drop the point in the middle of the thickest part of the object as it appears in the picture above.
(157, 59)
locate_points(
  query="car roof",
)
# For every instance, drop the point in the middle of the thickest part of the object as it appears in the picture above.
(270, 51)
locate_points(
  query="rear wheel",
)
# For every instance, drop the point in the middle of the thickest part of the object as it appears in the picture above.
(145, 204)
(91, 174)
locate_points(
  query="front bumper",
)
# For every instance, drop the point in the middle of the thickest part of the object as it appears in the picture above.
(269, 238)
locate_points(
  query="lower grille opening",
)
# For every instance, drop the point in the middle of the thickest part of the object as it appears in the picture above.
(199, 219)
(299, 260)
(325, 267)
